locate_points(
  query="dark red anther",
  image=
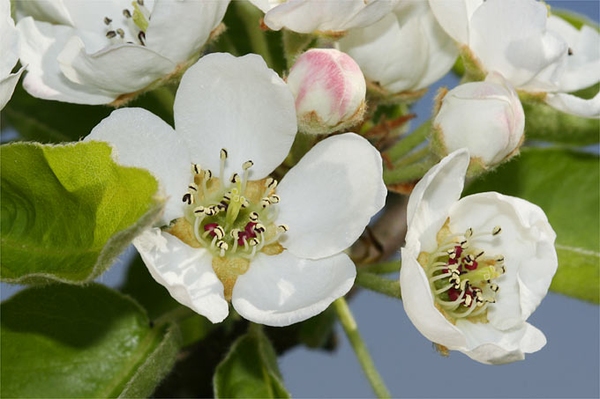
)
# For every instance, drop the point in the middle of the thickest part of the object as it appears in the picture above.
(472, 265)
(210, 227)
(247, 233)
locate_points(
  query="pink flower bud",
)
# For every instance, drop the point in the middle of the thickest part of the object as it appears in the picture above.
(329, 89)
(485, 117)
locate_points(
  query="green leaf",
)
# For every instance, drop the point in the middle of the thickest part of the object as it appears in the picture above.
(565, 185)
(543, 122)
(69, 210)
(250, 369)
(70, 341)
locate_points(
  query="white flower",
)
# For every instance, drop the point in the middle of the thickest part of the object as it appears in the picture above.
(230, 232)
(332, 16)
(485, 117)
(474, 269)
(329, 89)
(406, 50)
(106, 51)
(517, 38)
(9, 44)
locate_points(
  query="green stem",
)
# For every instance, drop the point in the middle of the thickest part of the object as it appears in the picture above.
(409, 142)
(362, 353)
(379, 284)
(381, 268)
(409, 173)
(293, 44)
(250, 15)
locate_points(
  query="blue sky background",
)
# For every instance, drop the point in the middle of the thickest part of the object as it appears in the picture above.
(567, 367)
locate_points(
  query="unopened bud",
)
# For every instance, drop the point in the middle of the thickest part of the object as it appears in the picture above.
(485, 117)
(329, 89)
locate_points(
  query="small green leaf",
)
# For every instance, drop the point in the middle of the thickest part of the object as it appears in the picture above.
(69, 210)
(69, 341)
(543, 122)
(250, 369)
(565, 185)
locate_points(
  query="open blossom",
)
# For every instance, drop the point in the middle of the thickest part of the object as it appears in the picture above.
(229, 231)
(474, 269)
(485, 117)
(535, 52)
(9, 50)
(405, 51)
(329, 89)
(107, 51)
(332, 16)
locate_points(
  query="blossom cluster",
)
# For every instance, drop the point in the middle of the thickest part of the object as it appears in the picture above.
(270, 177)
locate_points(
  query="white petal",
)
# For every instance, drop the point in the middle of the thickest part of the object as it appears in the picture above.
(142, 139)
(237, 104)
(41, 43)
(583, 65)
(510, 36)
(178, 30)
(9, 43)
(328, 198)
(186, 272)
(490, 346)
(417, 300)
(526, 242)
(7, 87)
(118, 69)
(53, 11)
(281, 290)
(433, 196)
(454, 16)
(574, 105)
(306, 16)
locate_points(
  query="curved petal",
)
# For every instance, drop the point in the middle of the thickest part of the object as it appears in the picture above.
(490, 346)
(433, 196)
(307, 16)
(118, 69)
(54, 11)
(238, 104)
(178, 30)
(185, 272)
(7, 86)
(283, 289)
(9, 45)
(454, 16)
(526, 242)
(41, 44)
(583, 60)
(418, 303)
(328, 198)
(142, 139)
(575, 105)
(510, 36)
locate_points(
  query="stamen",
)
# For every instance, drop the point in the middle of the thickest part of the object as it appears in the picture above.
(121, 33)
(223, 157)
(111, 34)
(187, 197)
(107, 21)
(126, 13)
(142, 38)
(497, 230)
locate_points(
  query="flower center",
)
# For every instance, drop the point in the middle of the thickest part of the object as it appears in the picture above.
(461, 276)
(135, 23)
(235, 217)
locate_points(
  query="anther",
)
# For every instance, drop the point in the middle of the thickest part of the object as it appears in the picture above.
(283, 228)
(274, 199)
(107, 21)
(223, 154)
(199, 210)
(140, 2)
(253, 216)
(500, 259)
(196, 168)
(247, 165)
(259, 228)
(207, 175)
(469, 233)
(111, 34)
(142, 38)
(271, 183)
(187, 197)
(479, 254)
(235, 178)
(494, 287)
(193, 187)
(569, 51)
(265, 202)
(218, 232)
(126, 13)
(121, 33)
(496, 230)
